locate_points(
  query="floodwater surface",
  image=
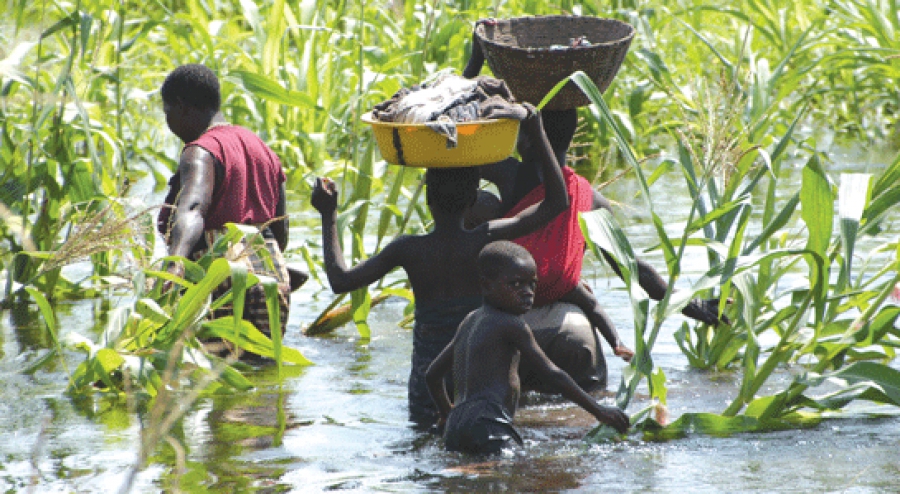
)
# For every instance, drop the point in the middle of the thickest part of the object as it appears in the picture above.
(341, 424)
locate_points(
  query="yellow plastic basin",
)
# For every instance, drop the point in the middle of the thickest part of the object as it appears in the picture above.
(479, 143)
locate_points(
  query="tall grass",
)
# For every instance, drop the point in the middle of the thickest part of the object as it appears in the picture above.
(811, 323)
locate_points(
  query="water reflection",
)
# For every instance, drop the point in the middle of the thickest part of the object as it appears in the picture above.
(225, 437)
(25, 322)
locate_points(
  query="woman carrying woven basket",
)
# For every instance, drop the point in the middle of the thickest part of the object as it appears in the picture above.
(565, 311)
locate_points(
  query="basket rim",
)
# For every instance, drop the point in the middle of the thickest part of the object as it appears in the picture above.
(370, 119)
(540, 49)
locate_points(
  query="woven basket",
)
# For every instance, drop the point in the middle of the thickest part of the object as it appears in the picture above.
(519, 51)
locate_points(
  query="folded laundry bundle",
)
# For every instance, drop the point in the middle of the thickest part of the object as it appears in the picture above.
(450, 99)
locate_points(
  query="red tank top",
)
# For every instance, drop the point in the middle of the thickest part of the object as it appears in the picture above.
(252, 177)
(558, 248)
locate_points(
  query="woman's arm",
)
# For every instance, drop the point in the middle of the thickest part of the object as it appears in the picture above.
(556, 197)
(197, 170)
(476, 59)
(280, 228)
(587, 302)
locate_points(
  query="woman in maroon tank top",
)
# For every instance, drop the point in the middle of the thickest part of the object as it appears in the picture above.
(226, 174)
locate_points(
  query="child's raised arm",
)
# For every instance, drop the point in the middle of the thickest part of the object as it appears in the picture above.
(342, 278)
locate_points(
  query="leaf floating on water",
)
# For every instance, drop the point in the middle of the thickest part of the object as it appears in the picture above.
(717, 425)
(604, 434)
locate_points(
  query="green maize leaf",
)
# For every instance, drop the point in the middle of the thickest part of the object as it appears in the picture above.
(727, 347)
(888, 179)
(46, 311)
(64, 23)
(49, 320)
(33, 366)
(311, 263)
(658, 385)
(195, 298)
(864, 391)
(758, 406)
(694, 353)
(883, 379)
(603, 434)
(602, 233)
(708, 44)
(880, 204)
(362, 305)
(238, 291)
(779, 69)
(550, 94)
(235, 379)
(251, 339)
(274, 34)
(102, 364)
(884, 322)
(875, 353)
(785, 141)
(593, 93)
(775, 225)
(716, 214)
(677, 301)
(817, 206)
(83, 377)
(270, 285)
(391, 210)
(662, 168)
(852, 197)
(403, 293)
(269, 90)
(109, 359)
(658, 69)
(719, 425)
(151, 310)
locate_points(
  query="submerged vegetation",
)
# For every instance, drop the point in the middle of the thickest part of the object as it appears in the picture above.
(727, 97)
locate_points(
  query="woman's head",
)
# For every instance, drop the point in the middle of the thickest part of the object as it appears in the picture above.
(193, 85)
(559, 126)
(191, 99)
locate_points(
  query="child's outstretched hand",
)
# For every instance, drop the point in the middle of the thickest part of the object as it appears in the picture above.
(324, 195)
(614, 417)
(624, 352)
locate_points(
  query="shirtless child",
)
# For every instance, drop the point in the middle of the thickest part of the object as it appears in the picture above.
(442, 264)
(484, 359)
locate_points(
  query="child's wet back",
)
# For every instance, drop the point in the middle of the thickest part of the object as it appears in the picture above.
(441, 265)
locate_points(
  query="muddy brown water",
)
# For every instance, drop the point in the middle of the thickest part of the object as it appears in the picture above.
(340, 425)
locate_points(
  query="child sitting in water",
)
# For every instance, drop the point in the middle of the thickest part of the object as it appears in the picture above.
(484, 358)
(442, 264)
